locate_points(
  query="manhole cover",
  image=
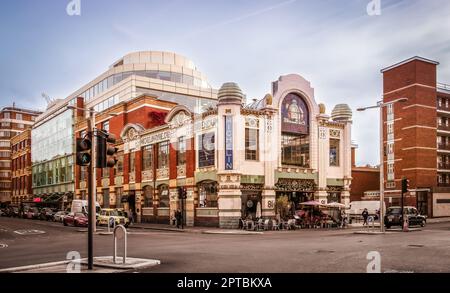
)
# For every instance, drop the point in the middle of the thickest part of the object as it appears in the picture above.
(416, 245)
(29, 232)
(3, 245)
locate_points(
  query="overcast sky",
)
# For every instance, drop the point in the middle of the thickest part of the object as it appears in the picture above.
(334, 44)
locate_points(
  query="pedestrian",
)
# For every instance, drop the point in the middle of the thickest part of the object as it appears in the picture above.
(365, 215)
(130, 216)
(178, 216)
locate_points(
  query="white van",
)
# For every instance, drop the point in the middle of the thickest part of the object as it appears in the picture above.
(372, 206)
(81, 206)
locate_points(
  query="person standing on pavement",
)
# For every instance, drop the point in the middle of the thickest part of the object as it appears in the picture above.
(178, 217)
(365, 215)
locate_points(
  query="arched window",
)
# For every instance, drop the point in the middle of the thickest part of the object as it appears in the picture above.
(163, 191)
(208, 194)
(148, 196)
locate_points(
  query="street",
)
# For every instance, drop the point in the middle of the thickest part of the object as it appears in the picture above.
(273, 252)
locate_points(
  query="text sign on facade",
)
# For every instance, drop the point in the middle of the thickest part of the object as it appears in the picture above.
(228, 143)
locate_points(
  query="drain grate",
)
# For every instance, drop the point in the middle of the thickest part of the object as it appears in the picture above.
(416, 245)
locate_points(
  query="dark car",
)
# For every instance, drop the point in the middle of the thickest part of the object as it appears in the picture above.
(46, 214)
(394, 217)
(13, 212)
(76, 220)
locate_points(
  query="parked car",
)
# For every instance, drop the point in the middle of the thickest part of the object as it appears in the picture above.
(76, 220)
(106, 214)
(394, 217)
(59, 216)
(46, 214)
(31, 213)
(124, 214)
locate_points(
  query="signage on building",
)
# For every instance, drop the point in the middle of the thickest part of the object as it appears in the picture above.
(294, 115)
(228, 143)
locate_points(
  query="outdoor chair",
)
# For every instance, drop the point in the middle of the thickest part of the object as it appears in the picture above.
(260, 224)
(275, 225)
(243, 223)
(266, 224)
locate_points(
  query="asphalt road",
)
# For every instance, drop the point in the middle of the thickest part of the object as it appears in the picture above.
(275, 251)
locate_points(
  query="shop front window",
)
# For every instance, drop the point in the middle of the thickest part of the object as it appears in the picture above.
(208, 194)
(148, 196)
(295, 150)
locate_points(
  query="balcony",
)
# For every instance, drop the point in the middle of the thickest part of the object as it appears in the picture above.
(444, 166)
(445, 147)
(443, 184)
(443, 107)
(443, 127)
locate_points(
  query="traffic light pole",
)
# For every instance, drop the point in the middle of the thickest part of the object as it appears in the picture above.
(91, 197)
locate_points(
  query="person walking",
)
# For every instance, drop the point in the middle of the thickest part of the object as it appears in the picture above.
(365, 215)
(179, 218)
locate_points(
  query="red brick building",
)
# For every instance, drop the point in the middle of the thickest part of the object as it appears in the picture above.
(365, 181)
(122, 186)
(21, 167)
(416, 136)
(13, 121)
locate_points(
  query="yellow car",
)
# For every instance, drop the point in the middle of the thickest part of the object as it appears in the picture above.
(107, 214)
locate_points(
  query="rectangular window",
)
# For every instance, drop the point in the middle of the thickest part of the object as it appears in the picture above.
(206, 150)
(334, 152)
(251, 144)
(390, 148)
(19, 116)
(119, 166)
(132, 162)
(105, 172)
(105, 126)
(295, 150)
(163, 155)
(7, 115)
(20, 126)
(181, 153)
(147, 158)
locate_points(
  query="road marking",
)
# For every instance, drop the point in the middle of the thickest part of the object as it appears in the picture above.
(3, 245)
(29, 232)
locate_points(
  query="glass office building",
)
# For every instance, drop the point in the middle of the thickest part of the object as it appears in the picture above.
(52, 156)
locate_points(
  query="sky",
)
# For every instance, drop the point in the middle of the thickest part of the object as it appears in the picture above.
(335, 44)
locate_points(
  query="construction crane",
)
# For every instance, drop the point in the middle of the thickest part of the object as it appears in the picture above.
(47, 98)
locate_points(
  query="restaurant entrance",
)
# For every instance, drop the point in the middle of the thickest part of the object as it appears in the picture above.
(250, 202)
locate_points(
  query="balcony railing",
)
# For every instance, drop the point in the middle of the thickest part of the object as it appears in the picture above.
(443, 107)
(442, 146)
(443, 86)
(444, 166)
(443, 184)
(444, 127)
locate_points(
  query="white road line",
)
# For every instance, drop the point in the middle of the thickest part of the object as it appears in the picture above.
(3, 245)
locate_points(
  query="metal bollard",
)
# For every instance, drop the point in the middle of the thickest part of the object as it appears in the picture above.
(109, 223)
(120, 232)
(370, 221)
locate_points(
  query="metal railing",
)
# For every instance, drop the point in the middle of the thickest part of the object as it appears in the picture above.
(442, 146)
(443, 184)
(444, 166)
(443, 86)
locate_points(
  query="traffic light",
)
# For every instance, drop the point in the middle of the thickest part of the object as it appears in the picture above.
(106, 150)
(84, 146)
(405, 185)
(182, 193)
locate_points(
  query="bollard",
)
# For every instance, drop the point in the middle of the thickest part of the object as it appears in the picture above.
(370, 221)
(405, 225)
(113, 224)
(120, 232)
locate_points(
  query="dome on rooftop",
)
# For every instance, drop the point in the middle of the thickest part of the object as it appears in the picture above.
(341, 112)
(230, 92)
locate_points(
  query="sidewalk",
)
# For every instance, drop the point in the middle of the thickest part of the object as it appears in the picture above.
(200, 230)
(438, 220)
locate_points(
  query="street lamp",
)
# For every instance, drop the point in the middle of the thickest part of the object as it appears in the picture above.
(91, 183)
(381, 105)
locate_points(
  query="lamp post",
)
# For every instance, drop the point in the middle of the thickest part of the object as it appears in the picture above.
(381, 105)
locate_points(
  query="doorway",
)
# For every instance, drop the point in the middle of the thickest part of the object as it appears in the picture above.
(422, 202)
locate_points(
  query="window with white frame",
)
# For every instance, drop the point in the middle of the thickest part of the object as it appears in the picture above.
(19, 116)
(390, 171)
(390, 148)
